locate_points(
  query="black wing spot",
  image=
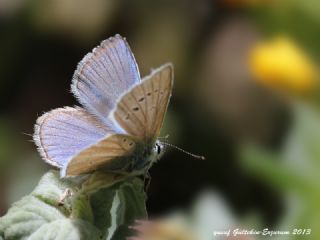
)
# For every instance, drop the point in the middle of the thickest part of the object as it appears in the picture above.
(149, 94)
(124, 140)
(161, 92)
(156, 90)
(135, 109)
(127, 117)
(141, 99)
(130, 144)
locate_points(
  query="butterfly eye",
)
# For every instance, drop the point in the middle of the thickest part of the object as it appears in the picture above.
(158, 148)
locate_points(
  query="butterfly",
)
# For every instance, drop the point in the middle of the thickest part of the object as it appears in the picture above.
(118, 125)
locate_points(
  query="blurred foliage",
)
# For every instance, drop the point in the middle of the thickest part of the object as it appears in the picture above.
(208, 216)
(6, 144)
(81, 20)
(161, 230)
(298, 18)
(294, 170)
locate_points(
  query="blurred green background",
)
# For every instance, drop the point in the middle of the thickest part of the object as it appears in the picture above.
(261, 143)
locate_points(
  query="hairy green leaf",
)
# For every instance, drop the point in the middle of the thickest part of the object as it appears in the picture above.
(92, 207)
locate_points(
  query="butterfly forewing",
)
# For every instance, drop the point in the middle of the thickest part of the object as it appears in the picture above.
(63, 132)
(100, 154)
(141, 111)
(104, 75)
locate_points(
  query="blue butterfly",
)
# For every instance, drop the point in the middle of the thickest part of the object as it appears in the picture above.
(117, 128)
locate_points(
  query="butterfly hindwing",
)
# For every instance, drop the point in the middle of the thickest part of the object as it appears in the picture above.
(140, 112)
(104, 75)
(100, 154)
(63, 132)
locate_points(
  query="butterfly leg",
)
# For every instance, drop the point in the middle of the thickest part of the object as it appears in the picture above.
(147, 177)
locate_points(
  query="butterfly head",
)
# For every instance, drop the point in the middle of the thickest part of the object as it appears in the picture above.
(159, 148)
(158, 151)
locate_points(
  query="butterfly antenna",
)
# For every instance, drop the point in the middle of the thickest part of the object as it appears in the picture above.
(184, 151)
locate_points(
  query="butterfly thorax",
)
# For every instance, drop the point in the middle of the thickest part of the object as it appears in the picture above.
(145, 156)
(139, 161)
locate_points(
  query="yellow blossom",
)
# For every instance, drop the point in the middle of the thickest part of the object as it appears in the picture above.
(281, 64)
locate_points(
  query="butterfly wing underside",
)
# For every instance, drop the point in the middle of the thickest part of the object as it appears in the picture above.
(141, 111)
(61, 133)
(72, 133)
(100, 154)
(104, 75)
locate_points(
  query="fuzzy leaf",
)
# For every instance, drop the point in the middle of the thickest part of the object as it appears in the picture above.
(101, 204)
(40, 216)
(31, 218)
(131, 206)
(86, 213)
(66, 229)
